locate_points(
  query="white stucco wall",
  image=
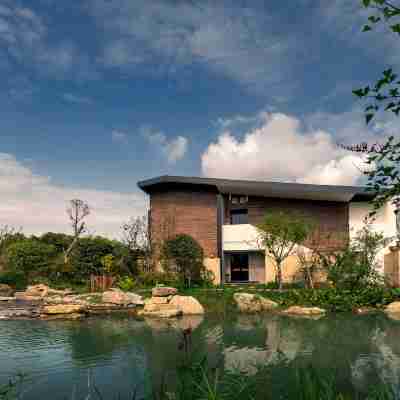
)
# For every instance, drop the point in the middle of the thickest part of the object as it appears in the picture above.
(385, 222)
(244, 237)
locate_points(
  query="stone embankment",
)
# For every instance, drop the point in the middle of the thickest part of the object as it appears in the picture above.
(40, 301)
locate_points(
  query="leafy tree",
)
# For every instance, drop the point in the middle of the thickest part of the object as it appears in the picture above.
(87, 257)
(355, 266)
(60, 241)
(383, 171)
(280, 233)
(30, 256)
(183, 255)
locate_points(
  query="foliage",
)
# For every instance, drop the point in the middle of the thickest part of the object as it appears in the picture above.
(280, 232)
(382, 160)
(108, 263)
(60, 241)
(16, 279)
(29, 255)
(86, 259)
(334, 299)
(126, 283)
(356, 265)
(184, 256)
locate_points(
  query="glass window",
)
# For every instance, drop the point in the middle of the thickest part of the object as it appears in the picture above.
(239, 217)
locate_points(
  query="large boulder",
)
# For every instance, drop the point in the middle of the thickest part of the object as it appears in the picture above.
(23, 296)
(187, 304)
(39, 290)
(393, 308)
(12, 313)
(163, 291)
(118, 297)
(153, 308)
(63, 309)
(6, 290)
(253, 303)
(297, 310)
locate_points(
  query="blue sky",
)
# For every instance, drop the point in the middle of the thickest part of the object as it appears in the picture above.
(98, 94)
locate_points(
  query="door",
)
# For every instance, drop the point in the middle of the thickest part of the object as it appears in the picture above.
(240, 267)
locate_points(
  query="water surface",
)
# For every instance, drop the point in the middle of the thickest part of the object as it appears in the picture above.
(119, 354)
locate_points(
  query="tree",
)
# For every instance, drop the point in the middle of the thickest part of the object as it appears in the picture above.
(136, 237)
(383, 170)
(183, 255)
(77, 212)
(279, 234)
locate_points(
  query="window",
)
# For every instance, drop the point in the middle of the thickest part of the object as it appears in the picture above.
(239, 217)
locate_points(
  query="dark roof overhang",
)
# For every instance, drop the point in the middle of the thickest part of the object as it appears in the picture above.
(258, 188)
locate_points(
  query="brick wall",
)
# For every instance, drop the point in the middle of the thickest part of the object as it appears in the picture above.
(183, 211)
(330, 218)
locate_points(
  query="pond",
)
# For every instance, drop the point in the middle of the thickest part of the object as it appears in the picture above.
(121, 353)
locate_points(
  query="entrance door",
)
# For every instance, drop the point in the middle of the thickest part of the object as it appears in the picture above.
(240, 267)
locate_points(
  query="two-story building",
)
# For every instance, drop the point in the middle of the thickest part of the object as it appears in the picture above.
(222, 215)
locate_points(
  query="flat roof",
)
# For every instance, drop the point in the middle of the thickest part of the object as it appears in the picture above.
(283, 190)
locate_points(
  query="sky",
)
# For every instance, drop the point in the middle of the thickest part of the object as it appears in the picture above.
(99, 94)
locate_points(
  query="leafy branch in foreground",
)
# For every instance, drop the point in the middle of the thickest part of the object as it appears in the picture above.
(385, 93)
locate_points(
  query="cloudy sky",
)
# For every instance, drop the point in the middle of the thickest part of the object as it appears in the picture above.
(98, 94)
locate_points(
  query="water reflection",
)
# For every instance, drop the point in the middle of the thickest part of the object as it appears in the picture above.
(123, 353)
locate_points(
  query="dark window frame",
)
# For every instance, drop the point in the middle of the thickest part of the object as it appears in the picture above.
(239, 216)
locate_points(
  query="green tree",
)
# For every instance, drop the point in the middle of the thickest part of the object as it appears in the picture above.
(30, 256)
(280, 233)
(383, 170)
(183, 255)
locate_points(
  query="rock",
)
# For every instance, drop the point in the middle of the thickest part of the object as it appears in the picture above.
(63, 309)
(153, 308)
(160, 300)
(393, 307)
(6, 298)
(117, 296)
(6, 290)
(364, 310)
(187, 304)
(252, 303)
(11, 313)
(23, 296)
(163, 291)
(39, 290)
(162, 313)
(73, 316)
(297, 310)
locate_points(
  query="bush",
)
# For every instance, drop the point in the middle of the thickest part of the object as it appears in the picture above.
(356, 265)
(334, 299)
(29, 256)
(16, 279)
(184, 256)
(126, 283)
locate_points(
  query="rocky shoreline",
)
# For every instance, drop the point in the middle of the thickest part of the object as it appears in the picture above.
(42, 302)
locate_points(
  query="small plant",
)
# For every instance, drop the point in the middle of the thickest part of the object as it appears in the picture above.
(126, 283)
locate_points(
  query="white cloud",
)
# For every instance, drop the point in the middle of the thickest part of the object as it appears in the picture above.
(37, 205)
(73, 98)
(28, 41)
(173, 148)
(235, 41)
(280, 149)
(118, 136)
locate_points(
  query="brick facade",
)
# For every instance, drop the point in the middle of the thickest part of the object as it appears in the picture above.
(185, 211)
(330, 218)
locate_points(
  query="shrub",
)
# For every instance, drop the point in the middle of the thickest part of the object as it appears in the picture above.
(356, 265)
(29, 256)
(126, 283)
(334, 299)
(16, 279)
(184, 256)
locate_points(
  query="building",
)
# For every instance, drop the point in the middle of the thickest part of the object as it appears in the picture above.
(222, 214)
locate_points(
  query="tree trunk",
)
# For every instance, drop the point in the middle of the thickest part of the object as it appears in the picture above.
(279, 276)
(68, 251)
